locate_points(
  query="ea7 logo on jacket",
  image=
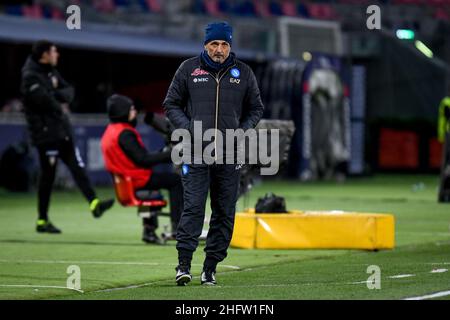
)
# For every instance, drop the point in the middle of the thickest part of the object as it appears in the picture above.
(233, 80)
(199, 72)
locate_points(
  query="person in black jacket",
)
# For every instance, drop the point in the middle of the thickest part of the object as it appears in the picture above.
(46, 98)
(121, 137)
(221, 93)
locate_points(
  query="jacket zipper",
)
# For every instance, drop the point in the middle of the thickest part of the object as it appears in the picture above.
(217, 109)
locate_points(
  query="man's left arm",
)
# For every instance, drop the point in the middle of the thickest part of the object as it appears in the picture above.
(253, 107)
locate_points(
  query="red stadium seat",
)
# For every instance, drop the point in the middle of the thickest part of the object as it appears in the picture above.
(212, 8)
(289, 8)
(33, 11)
(441, 14)
(129, 197)
(262, 8)
(437, 3)
(104, 5)
(355, 1)
(154, 6)
(57, 14)
(321, 11)
(416, 2)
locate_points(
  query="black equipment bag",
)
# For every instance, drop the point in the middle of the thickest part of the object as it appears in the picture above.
(271, 203)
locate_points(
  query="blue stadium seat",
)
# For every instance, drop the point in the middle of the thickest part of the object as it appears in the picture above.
(15, 10)
(303, 10)
(144, 6)
(122, 3)
(198, 7)
(244, 9)
(275, 8)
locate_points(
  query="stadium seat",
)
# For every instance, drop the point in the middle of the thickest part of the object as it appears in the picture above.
(244, 8)
(129, 197)
(437, 3)
(262, 8)
(14, 10)
(198, 7)
(275, 8)
(441, 14)
(215, 8)
(153, 6)
(57, 14)
(33, 11)
(288, 8)
(354, 1)
(303, 10)
(104, 5)
(122, 3)
(321, 11)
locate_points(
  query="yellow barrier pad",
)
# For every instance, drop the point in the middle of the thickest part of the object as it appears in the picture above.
(314, 230)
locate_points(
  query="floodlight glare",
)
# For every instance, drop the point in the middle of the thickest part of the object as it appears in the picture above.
(405, 34)
(423, 48)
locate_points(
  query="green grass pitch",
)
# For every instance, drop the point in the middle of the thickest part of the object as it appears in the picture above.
(116, 264)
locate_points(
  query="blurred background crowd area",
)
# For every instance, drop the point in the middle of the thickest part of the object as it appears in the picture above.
(365, 98)
(322, 9)
(422, 16)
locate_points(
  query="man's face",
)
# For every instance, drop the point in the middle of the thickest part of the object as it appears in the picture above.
(218, 50)
(132, 114)
(51, 56)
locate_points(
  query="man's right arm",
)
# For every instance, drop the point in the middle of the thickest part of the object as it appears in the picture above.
(176, 100)
(34, 89)
(65, 92)
(130, 145)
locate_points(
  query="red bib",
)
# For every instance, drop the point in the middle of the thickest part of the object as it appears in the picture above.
(116, 161)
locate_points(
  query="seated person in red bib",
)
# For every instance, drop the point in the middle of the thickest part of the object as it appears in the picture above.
(125, 154)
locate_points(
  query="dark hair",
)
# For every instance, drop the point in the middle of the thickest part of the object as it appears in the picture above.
(40, 47)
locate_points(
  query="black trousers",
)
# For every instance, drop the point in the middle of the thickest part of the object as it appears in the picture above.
(172, 183)
(48, 159)
(223, 183)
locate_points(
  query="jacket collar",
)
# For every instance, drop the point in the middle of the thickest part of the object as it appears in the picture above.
(207, 64)
(31, 64)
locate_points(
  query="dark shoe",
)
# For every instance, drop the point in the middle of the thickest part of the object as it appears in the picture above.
(183, 276)
(44, 226)
(99, 207)
(149, 236)
(208, 277)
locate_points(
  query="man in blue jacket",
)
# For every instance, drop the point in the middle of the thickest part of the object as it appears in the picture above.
(220, 92)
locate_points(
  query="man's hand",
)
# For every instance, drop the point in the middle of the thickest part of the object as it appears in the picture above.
(55, 82)
(65, 108)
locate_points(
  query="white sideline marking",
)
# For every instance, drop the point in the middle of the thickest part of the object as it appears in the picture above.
(438, 270)
(391, 277)
(399, 276)
(167, 280)
(218, 286)
(107, 263)
(128, 287)
(37, 286)
(430, 296)
(360, 282)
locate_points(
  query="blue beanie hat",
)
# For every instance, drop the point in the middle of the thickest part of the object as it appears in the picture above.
(218, 31)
